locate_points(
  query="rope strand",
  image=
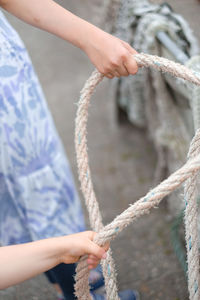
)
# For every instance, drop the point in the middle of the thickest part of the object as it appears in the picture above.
(152, 199)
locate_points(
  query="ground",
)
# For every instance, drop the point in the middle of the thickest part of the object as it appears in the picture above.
(122, 161)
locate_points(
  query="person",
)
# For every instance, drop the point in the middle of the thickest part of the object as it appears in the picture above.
(38, 198)
(21, 262)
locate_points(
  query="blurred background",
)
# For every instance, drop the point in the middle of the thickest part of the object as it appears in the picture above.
(149, 254)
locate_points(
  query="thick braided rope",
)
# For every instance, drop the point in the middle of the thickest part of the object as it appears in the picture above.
(142, 206)
(81, 286)
(191, 214)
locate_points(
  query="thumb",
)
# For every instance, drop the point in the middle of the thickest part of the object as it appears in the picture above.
(96, 250)
(130, 63)
(129, 48)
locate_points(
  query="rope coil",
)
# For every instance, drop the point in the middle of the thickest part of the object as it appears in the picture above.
(186, 173)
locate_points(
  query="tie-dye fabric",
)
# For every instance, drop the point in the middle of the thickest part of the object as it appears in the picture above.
(37, 194)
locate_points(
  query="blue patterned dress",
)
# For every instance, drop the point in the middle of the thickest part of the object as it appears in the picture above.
(37, 194)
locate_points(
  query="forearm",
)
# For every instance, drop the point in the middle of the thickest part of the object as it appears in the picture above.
(51, 17)
(21, 262)
(110, 55)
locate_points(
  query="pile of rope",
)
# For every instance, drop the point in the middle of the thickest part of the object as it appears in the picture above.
(138, 23)
(187, 173)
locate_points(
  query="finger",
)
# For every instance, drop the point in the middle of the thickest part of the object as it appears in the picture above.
(131, 65)
(95, 250)
(92, 266)
(109, 75)
(129, 48)
(93, 257)
(93, 261)
(116, 73)
(122, 70)
(106, 246)
(113, 74)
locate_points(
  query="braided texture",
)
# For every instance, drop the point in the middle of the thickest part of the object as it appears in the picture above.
(142, 206)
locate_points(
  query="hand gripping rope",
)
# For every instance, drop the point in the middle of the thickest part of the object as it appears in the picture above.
(187, 172)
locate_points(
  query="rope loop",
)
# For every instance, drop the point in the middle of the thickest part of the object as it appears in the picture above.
(187, 172)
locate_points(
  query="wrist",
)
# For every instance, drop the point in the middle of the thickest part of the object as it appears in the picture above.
(60, 249)
(53, 250)
(89, 36)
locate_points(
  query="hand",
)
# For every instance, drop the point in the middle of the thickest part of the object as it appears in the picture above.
(80, 244)
(111, 56)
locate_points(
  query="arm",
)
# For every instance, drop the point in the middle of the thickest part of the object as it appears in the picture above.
(21, 262)
(110, 55)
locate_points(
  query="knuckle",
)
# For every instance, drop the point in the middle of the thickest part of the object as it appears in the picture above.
(102, 70)
(107, 69)
(108, 75)
(114, 63)
(124, 55)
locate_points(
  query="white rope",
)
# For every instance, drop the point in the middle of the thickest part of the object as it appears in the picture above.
(191, 214)
(142, 206)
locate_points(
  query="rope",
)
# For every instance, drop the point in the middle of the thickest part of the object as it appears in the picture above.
(176, 240)
(143, 205)
(191, 233)
(165, 106)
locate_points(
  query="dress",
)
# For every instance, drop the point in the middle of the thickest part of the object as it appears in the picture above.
(38, 198)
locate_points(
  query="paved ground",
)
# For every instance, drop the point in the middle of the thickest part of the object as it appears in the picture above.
(122, 163)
